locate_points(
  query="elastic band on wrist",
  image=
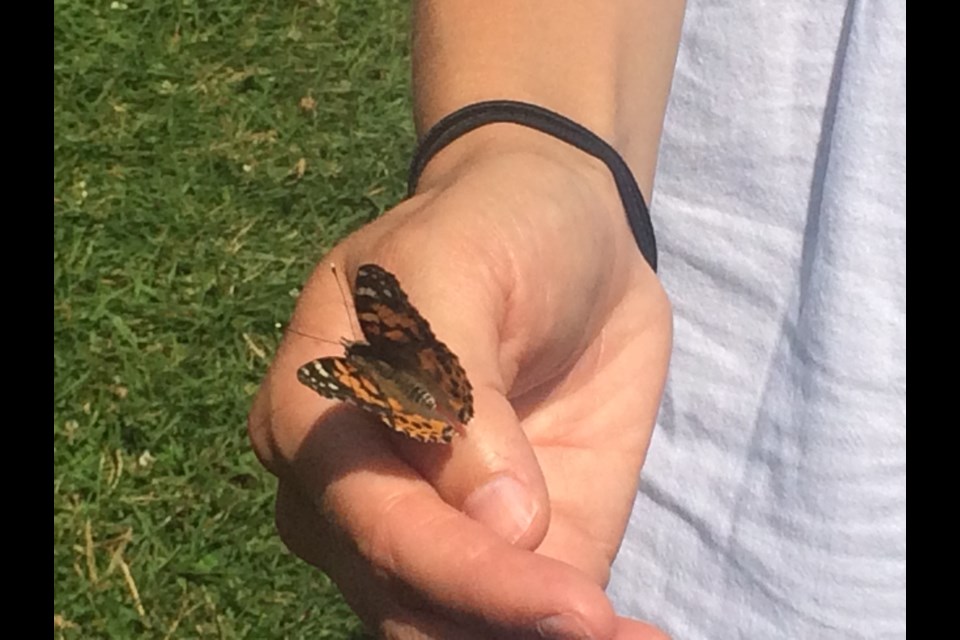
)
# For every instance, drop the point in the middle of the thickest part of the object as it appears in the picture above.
(478, 114)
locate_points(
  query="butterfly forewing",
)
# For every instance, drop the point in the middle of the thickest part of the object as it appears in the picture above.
(395, 329)
(340, 379)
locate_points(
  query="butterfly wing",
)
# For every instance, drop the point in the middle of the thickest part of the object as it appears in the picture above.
(398, 333)
(340, 379)
(344, 379)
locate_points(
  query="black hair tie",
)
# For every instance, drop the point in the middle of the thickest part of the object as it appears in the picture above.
(478, 114)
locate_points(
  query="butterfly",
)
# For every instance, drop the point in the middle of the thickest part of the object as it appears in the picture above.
(401, 373)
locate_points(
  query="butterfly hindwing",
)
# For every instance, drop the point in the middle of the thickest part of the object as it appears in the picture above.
(343, 379)
(340, 379)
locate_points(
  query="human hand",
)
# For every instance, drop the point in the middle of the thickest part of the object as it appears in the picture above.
(517, 252)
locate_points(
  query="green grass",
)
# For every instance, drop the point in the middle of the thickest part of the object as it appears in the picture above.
(182, 229)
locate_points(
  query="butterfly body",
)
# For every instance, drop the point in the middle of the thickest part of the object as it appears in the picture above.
(402, 373)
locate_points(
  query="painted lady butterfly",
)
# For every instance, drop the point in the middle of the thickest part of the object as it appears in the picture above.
(402, 373)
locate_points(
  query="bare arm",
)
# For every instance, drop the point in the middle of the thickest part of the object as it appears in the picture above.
(606, 65)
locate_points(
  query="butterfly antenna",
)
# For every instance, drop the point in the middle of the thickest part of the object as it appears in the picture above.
(290, 329)
(336, 276)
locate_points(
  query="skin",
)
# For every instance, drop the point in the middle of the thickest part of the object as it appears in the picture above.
(517, 251)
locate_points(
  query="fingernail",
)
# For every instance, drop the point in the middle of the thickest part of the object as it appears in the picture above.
(504, 505)
(563, 627)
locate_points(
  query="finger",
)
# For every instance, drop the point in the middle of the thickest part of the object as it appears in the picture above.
(310, 537)
(370, 596)
(401, 528)
(407, 625)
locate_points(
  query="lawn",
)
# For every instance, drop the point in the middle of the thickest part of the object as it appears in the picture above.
(205, 156)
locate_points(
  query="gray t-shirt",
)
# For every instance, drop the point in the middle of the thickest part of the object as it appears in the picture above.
(773, 500)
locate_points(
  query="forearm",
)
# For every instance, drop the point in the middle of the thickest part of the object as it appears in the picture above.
(607, 65)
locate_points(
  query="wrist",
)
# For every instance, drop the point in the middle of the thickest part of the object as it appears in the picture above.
(523, 160)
